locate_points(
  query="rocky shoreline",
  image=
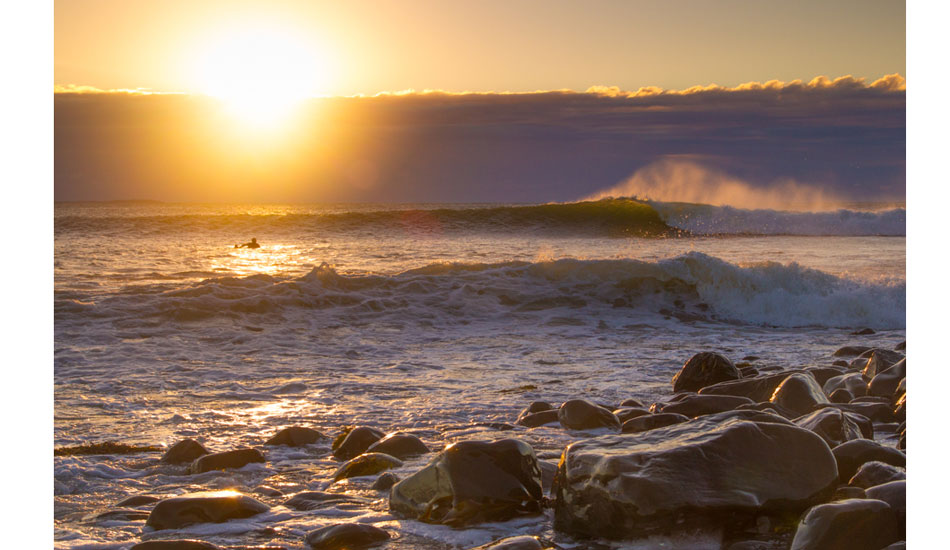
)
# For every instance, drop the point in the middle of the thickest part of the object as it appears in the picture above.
(756, 457)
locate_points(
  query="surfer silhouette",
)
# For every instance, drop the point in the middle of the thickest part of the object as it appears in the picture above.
(252, 244)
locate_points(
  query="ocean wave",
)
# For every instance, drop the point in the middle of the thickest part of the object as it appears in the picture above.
(690, 287)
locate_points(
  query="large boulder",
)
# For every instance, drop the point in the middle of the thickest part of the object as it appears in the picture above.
(878, 360)
(758, 388)
(295, 436)
(876, 473)
(217, 507)
(833, 425)
(799, 393)
(346, 536)
(823, 374)
(399, 445)
(185, 451)
(366, 464)
(238, 458)
(704, 369)
(854, 382)
(699, 474)
(354, 442)
(894, 493)
(851, 455)
(699, 405)
(472, 482)
(581, 414)
(651, 422)
(855, 524)
(886, 382)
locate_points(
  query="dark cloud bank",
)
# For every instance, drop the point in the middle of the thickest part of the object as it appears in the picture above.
(845, 136)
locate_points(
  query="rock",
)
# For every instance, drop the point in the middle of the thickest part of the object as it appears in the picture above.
(900, 545)
(704, 369)
(848, 351)
(354, 442)
(699, 474)
(840, 363)
(833, 425)
(855, 524)
(900, 410)
(632, 403)
(902, 346)
(748, 372)
(799, 393)
(175, 545)
(902, 441)
(863, 332)
(854, 382)
(523, 542)
(534, 407)
(885, 383)
(901, 388)
(851, 455)
(844, 493)
(538, 419)
(472, 482)
(121, 514)
(581, 414)
(237, 458)
(218, 507)
(876, 473)
(878, 412)
(186, 450)
(759, 388)
(548, 471)
(823, 374)
(385, 482)
(366, 464)
(878, 360)
(745, 414)
(346, 536)
(295, 436)
(315, 500)
(894, 493)
(840, 395)
(138, 500)
(399, 445)
(698, 405)
(871, 399)
(626, 414)
(769, 407)
(651, 422)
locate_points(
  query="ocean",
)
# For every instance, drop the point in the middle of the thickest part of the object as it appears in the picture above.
(443, 320)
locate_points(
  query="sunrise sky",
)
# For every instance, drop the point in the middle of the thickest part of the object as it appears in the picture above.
(304, 101)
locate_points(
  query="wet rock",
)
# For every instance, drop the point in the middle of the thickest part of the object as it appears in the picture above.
(840, 395)
(295, 436)
(186, 450)
(759, 388)
(704, 369)
(851, 455)
(472, 482)
(745, 414)
(696, 475)
(540, 418)
(385, 482)
(399, 445)
(138, 500)
(900, 545)
(823, 374)
(894, 493)
(238, 458)
(863, 332)
(122, 514)
(870, 399)
(632, 403)
(651, 422)
(179, 512)
(878, 412)
(769, 407)
(366, 464)
(878, 360)
(884, 383)
(698, 405)
(844, 493)
(626, 414)
(581, 414)
(901, 388)
(175, 545)
(346, 536)
(840, 363)
(902, 346)
(548, 471)
(354, 442)
(534, 407)
(799, 393)
(902, 440)
(856, 524)
(748, 372)
(849, 351)
(876, 473)
(523, 542)
(900, 410)
(315, 500)
(833, 425)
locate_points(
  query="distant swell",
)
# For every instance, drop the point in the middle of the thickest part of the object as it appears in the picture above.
(691, 287)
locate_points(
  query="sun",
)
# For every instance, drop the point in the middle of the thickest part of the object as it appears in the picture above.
(261, 75)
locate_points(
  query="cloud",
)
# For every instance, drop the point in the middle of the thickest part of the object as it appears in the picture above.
(843, 135)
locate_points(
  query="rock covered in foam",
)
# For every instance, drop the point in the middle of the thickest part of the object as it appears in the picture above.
(704, 473)
(704, 369)
(472, 482)
(799, 393)
(581, 414)
(237, 458)
(855, 524)
(177, 512)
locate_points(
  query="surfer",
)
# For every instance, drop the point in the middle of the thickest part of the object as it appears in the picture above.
(252, 244)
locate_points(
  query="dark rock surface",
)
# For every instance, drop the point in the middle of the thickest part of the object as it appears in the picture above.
(849, 351)
(138, 500)
(854, 382)
(884, 383)
(823, 374)
(203, 508)
(627, 413)
(833, 425)
(539, 418)
(236, 458)
(759, 388)
(295, 436)
(856, 524)
(652, 421)
(366, 464)
(472, 482)
(581, 414)
(876, 473)
(354, 442)
(704, 369)
(346, 536)
(699, 405)
(399, 445)
(315, 500)
(699, 474)
(851, 455)
(186, 450)
(385, 482)
(523, 542)
(184, 544)
(840, 395)
(894, 493)
(878, 360)
(799, 393)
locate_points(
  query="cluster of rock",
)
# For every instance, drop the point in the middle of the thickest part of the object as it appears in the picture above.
(760, 457)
